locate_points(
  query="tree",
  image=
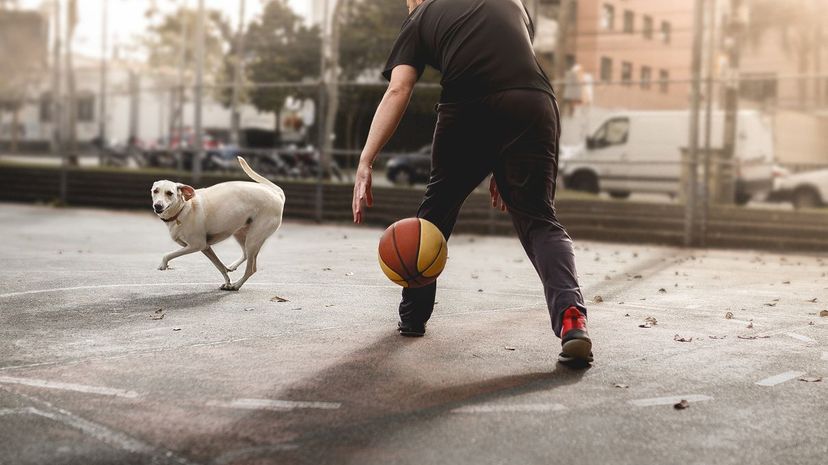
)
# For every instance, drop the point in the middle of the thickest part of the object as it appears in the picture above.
(281, 52)
(163, 40)
(368, 30)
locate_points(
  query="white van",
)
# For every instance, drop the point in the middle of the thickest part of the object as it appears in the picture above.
(640, 151)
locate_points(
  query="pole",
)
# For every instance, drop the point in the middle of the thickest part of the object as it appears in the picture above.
(564, 31)
(102, 107)
(71, 108)
(708, 121)
(57, 118)
(726, 174)
(199, 89)
(693, 143)
(177, 122)
(237, 77)
(321, 114)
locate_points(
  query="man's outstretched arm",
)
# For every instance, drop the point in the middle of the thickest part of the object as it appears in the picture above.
(389, 113)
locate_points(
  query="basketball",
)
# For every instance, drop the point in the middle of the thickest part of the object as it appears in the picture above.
(412, 252)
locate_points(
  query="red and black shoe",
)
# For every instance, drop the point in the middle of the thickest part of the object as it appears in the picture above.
(576, 347)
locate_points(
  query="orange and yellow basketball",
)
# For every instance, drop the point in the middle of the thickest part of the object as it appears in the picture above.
(412, 252)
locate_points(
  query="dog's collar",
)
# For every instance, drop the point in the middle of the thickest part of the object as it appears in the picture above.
(174, 218)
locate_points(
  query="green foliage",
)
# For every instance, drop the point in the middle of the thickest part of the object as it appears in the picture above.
(280, 48)
(369, 28)
(164, 46)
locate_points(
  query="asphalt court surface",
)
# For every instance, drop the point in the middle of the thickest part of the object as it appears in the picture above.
(104, 359)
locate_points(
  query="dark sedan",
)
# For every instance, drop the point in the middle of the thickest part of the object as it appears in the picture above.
(410, 168)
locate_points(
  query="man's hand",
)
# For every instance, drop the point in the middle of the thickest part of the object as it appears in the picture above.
(363, 197)
(497, 200)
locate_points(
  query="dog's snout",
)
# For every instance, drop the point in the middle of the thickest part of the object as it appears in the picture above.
(158, 208)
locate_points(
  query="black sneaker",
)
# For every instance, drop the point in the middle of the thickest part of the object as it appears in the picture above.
(576, 347)
(411, 329)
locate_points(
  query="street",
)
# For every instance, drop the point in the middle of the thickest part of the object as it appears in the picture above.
(104, 359)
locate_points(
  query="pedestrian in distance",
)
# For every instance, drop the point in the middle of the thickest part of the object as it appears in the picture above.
(497, 116)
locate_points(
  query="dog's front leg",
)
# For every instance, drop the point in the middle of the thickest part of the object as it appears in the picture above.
(217, 262)
(183, 251)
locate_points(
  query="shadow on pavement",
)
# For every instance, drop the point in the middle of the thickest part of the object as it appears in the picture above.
(380, 397)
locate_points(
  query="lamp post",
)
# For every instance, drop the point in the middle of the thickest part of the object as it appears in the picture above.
(198, 155)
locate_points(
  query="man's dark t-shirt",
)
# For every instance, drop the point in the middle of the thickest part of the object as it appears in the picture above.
(480, 47)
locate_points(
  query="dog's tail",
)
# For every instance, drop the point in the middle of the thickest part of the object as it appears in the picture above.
(260, 179)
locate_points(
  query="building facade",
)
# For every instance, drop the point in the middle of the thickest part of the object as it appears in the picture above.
(637, 52)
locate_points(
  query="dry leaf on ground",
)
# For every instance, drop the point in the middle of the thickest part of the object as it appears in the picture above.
(276, 298)
(729, 316)
(678, 338)
(682, 405)
(649, 322)
(811, 379)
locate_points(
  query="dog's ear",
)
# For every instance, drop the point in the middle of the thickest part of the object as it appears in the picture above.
(186, 191)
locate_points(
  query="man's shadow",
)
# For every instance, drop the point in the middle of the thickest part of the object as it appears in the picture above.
(379, 398)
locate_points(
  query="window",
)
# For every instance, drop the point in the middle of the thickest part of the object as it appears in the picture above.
(646, 77)
(664, 81)
(665, 32)
(606, 69)
(608, 17)
(86, 108)
(46, 107)
(629, 22)
(613, 132)
(648, 27)
(626, 73)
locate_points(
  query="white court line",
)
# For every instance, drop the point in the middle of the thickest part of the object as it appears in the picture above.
(670, 400)
(268, 404)
(825, 356)
(780, 378)
(800, 337)
(103, 433)
(510, 408)
(17, 411)
(213, 283)
(42, 383)
(99, 432)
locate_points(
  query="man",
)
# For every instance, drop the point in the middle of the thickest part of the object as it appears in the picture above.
(497, 114)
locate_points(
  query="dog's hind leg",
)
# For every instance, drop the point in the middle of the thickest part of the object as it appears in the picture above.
(219, 265)
(241, 238)
(256, 236)
(251, 252)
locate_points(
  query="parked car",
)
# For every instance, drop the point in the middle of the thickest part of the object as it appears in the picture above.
(410, 168)
(808, 189)
(641, 151)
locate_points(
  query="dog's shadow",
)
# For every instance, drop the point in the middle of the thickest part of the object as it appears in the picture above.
(178, 301)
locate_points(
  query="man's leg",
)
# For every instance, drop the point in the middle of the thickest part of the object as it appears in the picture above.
(526, 172)
(550, 250)
(461, 160)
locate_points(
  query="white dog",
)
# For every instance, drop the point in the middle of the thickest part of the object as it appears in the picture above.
(197, 219)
